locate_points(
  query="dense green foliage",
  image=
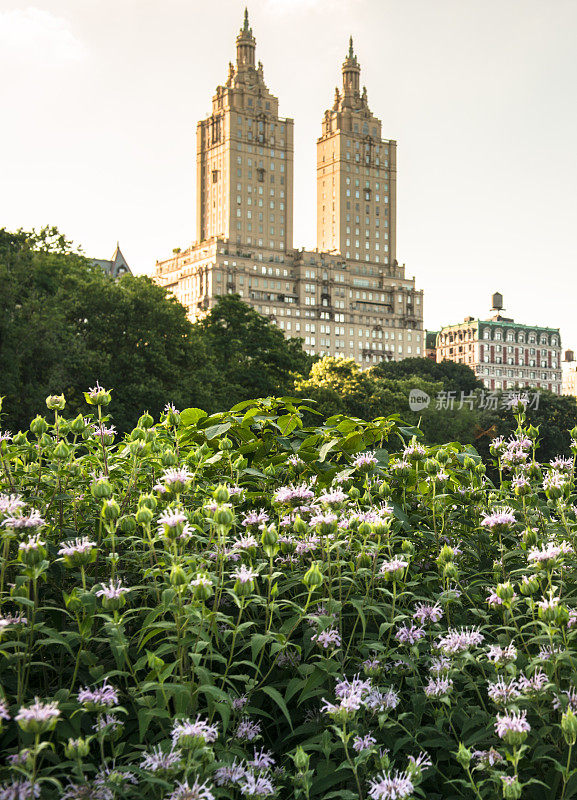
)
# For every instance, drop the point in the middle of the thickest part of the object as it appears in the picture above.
(64, 324)
(235, 605)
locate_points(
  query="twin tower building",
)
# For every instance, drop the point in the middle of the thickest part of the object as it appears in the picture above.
(349, 297)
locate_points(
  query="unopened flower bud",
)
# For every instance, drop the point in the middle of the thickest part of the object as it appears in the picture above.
(223, 516)
(169, 458)
(505, 592)
(225, 443)
(145, 421)
(313, 577)
(61, 451)
(569, 726)
(56, 402)
(301, 759)
(446, 554)
(365, 529)
(38, 426)
(144, 516)
(463, 755)
(221, 494)
(101, 489)
(269, 535)
(431, 466)
(512, 789)
(110, 510)
(300, 526)
(450, 571)
(407, 546)
(148, 501)
(77, 748)
(177, 576)
(127, 524)
(77, 425)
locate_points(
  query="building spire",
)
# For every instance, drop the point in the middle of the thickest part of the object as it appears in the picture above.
(245, 45)
(351, 73)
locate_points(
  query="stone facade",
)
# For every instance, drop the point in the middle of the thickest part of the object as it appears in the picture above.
(348, 297)
(504, 354)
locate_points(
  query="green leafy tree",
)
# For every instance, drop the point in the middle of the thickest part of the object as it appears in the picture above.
(251, 355)
(454, 377)
(65, 324)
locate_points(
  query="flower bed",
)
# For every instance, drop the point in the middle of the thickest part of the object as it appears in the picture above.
(238, 606)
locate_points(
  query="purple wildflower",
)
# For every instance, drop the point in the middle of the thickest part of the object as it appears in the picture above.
(438, 687)
(457, 641)
(101, 697)
(198, 791)
(391, 786)
(361, 743)
(176, 477)
(247, 730)
(424, 612)
(502, 655)
(365, 461)
(256, 786)
(21, 789)
(262, 760)
(258, 518)
(378, 701)
(409, 634)
(157, 760)
(76, 546)
(10, 503)
(113, 590)
(508, 726)
(500, 519)
(4, 713)
(107, 723)
(185, 731)
(244, 574)
(502, 691)
(30, 520)
(229, 774)
(328, 638)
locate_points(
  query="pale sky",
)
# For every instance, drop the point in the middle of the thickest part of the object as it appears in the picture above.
(100, 100)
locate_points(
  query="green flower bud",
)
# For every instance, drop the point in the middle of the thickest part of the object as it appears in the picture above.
(364, 560)
(512, 789)
(110, 510)
(136, 447)
(443, 456)
(529, 585)
(505, 592)
(221, 494)
(78, 425)
(177, 576)
(569, 726)
(313, 577)
(56, 402)
(365, 529)
(225, 443)
(38, 426)
(127, 524)
(463, 755)
(431, 466)
(269, 535)
(169, 458)
(530, 537)
(20, 439)
(480, 469)
(201, 587)
(354, 493)
(223, 516)
(446, 554)
(300, 526)
(450, 571)
(144, 516)
(61, 451)
(146, 421)
(77, 748)
(301, 759)
(97, 396)
(148, 501)
(101, 489)
(468, 462)
(407, 546)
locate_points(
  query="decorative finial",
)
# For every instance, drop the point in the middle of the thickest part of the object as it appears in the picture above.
(246, 26)
(351, 51)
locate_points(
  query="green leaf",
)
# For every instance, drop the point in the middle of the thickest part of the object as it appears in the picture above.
(275, 695)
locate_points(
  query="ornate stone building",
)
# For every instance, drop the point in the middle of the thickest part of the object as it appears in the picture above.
(117, 266)
(348, 297)
(504, 354)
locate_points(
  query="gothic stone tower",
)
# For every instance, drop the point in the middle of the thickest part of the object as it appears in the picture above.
(245, 159)
(356, 177)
